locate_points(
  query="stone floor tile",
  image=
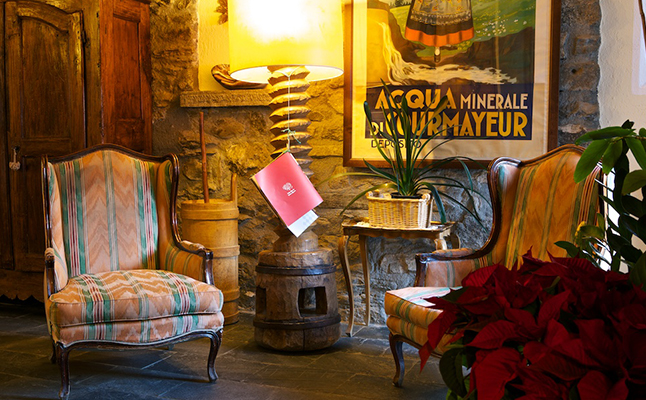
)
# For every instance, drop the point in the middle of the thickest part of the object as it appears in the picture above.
(360, 367)
(23, 388)
(121, 358)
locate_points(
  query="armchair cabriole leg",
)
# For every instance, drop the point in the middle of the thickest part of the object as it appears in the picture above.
(53, 357)
(62, 355)
(398, 355)
(216, 340)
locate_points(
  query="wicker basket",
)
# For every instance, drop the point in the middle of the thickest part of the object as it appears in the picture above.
(386, 212)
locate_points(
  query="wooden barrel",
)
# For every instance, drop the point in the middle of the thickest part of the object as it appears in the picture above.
(215, 226)
(296, 301)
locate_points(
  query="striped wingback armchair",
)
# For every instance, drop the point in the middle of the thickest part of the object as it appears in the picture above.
(116, 273)
(535, 204)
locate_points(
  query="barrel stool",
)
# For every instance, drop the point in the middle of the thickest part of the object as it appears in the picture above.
(296, 301)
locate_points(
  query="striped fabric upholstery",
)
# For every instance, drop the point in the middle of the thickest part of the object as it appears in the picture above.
(140, 331)
(408, 312)
(172, 258)
(108, 212)
(56, 229)
(548, 207)
(119, 274)
(99, 303)
(540, 205)
(450, 273)
(410, 305)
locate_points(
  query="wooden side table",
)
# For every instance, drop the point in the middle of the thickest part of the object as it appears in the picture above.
(362, 228)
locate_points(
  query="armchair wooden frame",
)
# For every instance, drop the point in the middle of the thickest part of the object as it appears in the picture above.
(60, 352)
(421, 260)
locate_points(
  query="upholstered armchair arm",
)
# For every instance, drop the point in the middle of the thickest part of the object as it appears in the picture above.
(190, 259)
(444, 268)
(193, 247)
(55, 272)
(453, 253)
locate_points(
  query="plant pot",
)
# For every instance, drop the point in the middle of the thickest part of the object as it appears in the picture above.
(401, 196)
(384, 211)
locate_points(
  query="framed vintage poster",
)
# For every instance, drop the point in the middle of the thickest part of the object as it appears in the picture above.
(495, 60)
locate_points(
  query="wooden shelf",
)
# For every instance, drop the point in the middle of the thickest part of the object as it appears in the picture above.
(229, 98)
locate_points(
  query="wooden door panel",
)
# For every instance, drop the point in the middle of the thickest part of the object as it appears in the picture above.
(46, 109)
(126, 75)
(6, 245)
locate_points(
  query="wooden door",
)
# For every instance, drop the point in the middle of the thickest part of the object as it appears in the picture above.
(46, 111)
(126, 73)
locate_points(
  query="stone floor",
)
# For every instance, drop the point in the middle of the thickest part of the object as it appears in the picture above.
(360, 367)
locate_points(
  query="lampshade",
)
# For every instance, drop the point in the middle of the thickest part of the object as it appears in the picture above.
(276, 33)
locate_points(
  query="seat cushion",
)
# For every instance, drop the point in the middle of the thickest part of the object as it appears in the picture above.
(131, 296)
(150, 331)
(409, 315)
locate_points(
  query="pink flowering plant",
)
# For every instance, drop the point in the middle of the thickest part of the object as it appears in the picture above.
(544, 330)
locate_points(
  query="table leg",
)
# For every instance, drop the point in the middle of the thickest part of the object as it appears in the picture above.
(363, 249)
(455, 239)
(440, 244)
(343, 255)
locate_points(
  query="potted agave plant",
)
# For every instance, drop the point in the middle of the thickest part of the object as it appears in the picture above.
(411, 175)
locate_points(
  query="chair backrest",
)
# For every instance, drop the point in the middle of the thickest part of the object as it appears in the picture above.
(102, 208)
(537, 203)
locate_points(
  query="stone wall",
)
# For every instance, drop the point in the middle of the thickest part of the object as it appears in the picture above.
(579, 71)
(238, 142)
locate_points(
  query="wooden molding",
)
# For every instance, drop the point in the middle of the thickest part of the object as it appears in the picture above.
(231, 98)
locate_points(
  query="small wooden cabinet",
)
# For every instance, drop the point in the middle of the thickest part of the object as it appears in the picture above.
(75, 73)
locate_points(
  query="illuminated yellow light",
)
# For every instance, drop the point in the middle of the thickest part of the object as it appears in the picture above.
(285, 32)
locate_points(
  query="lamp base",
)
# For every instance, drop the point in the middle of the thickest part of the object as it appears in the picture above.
(296, 298)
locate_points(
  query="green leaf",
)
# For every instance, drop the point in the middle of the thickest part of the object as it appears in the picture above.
(611, 156)
(452, 396)
(366, 110)
(604, 133)
(572, 250)
(592, 231)
(633, 205)
(451, 370)
(601, 221)
(637, 150)
(589, 159)
(638, 272)
(634, 180)
(438, 202)
(608, 201)
(630, 255)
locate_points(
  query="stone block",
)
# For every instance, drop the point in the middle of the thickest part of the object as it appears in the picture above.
(586, 45)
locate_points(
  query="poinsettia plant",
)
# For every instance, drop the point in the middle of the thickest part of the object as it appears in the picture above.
(544, 330)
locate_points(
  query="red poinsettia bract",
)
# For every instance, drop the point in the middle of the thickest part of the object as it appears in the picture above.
(544, 330)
